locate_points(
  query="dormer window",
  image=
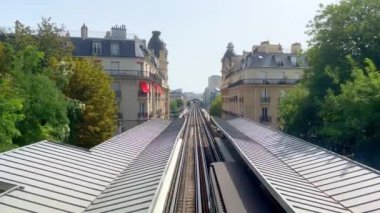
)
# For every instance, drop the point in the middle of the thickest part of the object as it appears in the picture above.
(97, 48)
(115, 49)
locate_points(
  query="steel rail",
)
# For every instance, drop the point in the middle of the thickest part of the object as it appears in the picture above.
(197, 153)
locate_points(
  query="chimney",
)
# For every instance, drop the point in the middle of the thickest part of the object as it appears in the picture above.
(108, 35)
(296, 48)
(119, 32)
(84, 32)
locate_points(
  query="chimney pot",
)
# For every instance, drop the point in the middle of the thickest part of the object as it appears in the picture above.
(84, 31)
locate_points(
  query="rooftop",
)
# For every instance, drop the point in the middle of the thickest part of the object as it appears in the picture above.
(54, 177)
(302, 176)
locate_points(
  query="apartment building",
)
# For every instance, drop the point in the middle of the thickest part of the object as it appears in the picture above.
(212, 90)
(254, 82)
(138, 70)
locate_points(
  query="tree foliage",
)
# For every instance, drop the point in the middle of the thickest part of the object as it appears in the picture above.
(329, 108)
(351, 117)
(173, 106)
(45, 106)
(43, 91)
(216, 107)
(10, 113)
(52, 40)
(89, 85)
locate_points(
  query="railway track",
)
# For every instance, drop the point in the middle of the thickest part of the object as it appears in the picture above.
(190, 191)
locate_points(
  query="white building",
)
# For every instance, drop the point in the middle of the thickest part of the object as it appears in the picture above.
(138, 71)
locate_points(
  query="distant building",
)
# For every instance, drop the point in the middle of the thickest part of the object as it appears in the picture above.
(176, 94)
(212, 90)
(191, 95)
(139, 72)
(214, 81)
(252, 83)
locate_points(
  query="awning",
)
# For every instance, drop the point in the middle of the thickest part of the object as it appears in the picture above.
(144, 86)
(159, 89)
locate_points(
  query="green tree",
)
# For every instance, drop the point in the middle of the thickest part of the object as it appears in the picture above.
(343, 35)
(173, 106)
(22, 37)
(45, 106)
(351, 117)
(349, 28)
(179, 103)
(92, 87)
(51, 40)
(291, 113)
(216, 107)
(10, 113)
(6, 53)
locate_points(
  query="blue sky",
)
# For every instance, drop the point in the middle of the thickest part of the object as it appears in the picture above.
(196, 31)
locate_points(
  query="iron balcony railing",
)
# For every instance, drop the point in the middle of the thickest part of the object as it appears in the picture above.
(142, 115)
(265, 100)
(138, 74)
(265, 119)
(229, 113)
(141, 94)
(264, 81)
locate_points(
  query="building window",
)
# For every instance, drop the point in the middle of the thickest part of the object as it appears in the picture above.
(115, 65)
(265, 118)
(264, 112)
(97, 48)
(265, 96)
(264, 93)
(115, 49)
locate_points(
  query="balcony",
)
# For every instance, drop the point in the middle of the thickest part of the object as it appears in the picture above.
(142, 115)
(258, 81)
(265, 119)
(265, 100)
(228, 113)
(134, 74)
(141, 94)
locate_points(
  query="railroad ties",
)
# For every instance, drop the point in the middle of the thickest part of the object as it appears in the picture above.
(203, 182)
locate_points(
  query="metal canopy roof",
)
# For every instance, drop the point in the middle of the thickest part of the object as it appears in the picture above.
(54, 177)
(134, 189)
(301, 176)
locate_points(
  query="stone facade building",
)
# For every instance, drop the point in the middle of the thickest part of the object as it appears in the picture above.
(253, 83)
(139, 72)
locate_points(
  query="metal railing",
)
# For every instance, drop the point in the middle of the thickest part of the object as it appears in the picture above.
(265, 100)
(141, 94)
(264, 81)
(265, 119)
(138, 74)
(142, 115)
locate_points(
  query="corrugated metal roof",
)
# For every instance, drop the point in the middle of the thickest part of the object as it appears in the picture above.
(134, 189)
(304, 176)
(60, 178)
